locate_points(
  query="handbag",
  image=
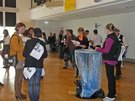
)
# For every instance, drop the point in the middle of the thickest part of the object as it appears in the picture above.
(12, 60)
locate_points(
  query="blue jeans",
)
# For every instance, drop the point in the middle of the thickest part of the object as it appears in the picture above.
(34, 85)
(72, 57)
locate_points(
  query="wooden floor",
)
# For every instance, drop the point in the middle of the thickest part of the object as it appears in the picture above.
(58, 84)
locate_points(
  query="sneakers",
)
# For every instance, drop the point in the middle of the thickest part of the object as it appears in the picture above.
(108, 99)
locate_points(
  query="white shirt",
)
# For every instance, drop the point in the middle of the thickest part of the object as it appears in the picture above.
(25, 39)
(97, 39)
(125, 41)
(6, 40)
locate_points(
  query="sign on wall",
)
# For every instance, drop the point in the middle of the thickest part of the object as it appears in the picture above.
(70, 5)
(54, 3)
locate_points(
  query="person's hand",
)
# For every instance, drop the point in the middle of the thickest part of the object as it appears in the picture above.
(6, 56)
(97, 48)
(92, 47)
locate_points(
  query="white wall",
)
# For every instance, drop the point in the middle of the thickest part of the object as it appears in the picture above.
(46, 12)
(23, 14)
(125, 22)
(52, 26)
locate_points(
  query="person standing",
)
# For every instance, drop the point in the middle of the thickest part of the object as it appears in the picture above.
(44, 37)
(84, 43)
(109, 50)
(50, 41)
(71, 37)
(96, 39)
(16, 50)
(65, 50)
(122, 42)
(82, 38)
(61, 44)
(5, 51)
(6, 47)
(87, 32)
(54, 42)
(32, 61)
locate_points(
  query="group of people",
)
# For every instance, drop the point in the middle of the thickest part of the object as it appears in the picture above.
(24, 43)
(21, 46)
(70, 43)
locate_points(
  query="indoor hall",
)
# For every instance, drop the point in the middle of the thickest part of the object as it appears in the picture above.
(58, 83)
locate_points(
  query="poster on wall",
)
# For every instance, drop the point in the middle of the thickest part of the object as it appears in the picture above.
(55, 3)
(70, 5)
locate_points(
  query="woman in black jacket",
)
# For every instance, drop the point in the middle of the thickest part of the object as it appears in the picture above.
(109, 52)
(35, 61)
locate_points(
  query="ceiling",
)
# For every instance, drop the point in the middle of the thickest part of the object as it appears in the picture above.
(116, 7)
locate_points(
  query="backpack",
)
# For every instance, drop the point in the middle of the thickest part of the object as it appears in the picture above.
(118, 48)
(120, 51)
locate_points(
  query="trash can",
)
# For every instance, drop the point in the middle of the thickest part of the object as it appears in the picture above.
(89, 65)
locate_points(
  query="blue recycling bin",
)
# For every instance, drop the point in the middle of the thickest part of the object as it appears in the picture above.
(89, 65)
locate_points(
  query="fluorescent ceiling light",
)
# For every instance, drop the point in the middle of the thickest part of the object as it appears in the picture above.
(46, 22)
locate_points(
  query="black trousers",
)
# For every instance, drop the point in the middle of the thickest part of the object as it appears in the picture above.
(111, 80)
(118, 68)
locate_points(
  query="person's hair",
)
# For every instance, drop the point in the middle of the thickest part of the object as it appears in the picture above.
(67, 30)
(116, 30)
(37, 32)
(43, 33)
(54, 34)
(18, 25)
(5, 31)
(87, 31)
(61, 31)
(80, 29)
(95, 31)
(30, 28)
(26, 34)
(110, 27)
(71, 31)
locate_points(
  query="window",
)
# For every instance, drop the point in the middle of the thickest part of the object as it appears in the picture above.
(10, 19)
(1, 18)
(10, 3)
(1, 3)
